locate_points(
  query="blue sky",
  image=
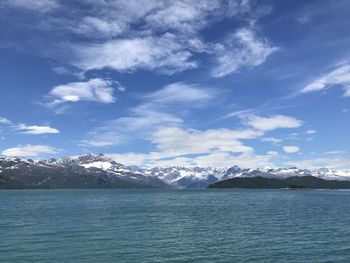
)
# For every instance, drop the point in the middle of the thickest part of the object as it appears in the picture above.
(208, 83)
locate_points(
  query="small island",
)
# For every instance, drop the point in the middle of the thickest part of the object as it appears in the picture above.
(292, 183)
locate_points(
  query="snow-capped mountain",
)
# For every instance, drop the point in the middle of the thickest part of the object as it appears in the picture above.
(93, 161)
(282, 173)
(186, 177)
(175, 176)
(101, 171)
(86, 171)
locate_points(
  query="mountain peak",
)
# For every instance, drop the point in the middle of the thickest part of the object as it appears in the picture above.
(175, 176)
(90, 157)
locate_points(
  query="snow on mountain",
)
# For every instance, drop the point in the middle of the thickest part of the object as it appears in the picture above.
(282, 173)
(92, 161)
(86, 171)
(174, 176)
(185, 177)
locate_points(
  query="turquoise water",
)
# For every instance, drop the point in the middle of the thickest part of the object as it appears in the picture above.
(174, 226)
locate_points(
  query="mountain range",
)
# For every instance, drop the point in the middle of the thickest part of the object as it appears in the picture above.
(101, 171)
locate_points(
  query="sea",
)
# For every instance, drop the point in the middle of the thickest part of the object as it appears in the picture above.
(206, 225)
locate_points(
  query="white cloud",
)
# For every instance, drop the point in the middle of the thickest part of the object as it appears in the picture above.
(105, 140)
(30, 151)
(164, 53)
(35, 129)
(291, 149)
(95, 90)
(339, 76)
(244, 160)
(272, 140)
(3, 120)
(311, 131)
(274, 153)
(155, 112)
(238, 113)
(304, 17)
(180, 92)
(179, 141)
(29, 129)
(188, 147)
(140, 124)
(173, 143)
(214, 159)
(271, 122)
(90, 26)
(334, 163)
(34, 5)
(157, 35)
(243, 49)
(189, 17)
(112, 18)
(182, 15)
(144, 118)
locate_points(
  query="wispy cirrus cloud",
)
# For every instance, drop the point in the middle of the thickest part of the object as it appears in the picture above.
(30, 151)
(164, 54)
(242, 49)
(189, 17)
(340, 76)
(99, 27)
(33, 5)
(238, 113)
(140, 123)
(181, 92)
(305, 16)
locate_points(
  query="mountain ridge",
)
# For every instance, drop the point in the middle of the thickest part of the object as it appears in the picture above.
(101, 171)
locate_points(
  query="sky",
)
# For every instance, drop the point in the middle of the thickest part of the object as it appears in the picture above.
(187, 83)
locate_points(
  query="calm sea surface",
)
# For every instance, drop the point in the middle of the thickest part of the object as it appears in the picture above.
(174, 226)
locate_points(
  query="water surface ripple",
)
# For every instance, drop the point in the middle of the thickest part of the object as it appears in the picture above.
(174, 226)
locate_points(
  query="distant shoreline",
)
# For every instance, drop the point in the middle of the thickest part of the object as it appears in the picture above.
(290, 183)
